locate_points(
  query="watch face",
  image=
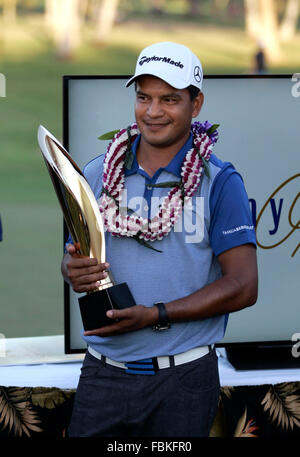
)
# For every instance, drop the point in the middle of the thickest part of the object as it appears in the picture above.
(161, 326)
(164, 327)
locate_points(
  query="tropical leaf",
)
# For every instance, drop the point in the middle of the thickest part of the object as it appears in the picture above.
(109, 135)
(144, 243)
(218, 428)
(206, 167)
(241, 424)
(244, 430)
(282, 402)
(129, 158)
(166, 184)
(250, 427)
(47, 397)
(212, 129)
(30, 421)
(227, 390)
(16, 414)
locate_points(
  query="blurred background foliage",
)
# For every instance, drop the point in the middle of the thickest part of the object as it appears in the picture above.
(41, 40)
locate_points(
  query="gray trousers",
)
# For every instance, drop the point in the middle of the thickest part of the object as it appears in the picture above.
(180, 401)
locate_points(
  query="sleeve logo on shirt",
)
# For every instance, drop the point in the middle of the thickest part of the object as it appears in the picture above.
(238, 229)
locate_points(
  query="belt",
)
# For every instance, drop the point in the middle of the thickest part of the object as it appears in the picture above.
(152, 365)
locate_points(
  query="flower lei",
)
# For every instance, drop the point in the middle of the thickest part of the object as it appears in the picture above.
(119, 156)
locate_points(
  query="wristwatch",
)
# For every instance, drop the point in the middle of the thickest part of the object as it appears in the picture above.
(163, 320)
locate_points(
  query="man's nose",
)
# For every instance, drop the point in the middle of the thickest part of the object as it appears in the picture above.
(155, 109)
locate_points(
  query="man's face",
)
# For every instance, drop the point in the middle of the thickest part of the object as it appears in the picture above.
(164, 114)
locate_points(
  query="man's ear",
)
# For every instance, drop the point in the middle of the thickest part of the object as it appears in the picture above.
(198, 102)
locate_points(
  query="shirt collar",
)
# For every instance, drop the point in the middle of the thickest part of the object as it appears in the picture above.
(173, 167)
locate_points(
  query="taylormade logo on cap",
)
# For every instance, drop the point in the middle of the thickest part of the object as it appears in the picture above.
(174, 63)
(146, 59)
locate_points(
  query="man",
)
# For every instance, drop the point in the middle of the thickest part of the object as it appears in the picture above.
(154, 371)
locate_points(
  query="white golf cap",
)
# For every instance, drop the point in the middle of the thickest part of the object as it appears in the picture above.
(173, 63)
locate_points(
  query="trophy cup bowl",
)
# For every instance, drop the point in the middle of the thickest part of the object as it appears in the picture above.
(84, 221)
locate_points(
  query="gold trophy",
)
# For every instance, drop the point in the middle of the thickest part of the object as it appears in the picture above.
(83, 219)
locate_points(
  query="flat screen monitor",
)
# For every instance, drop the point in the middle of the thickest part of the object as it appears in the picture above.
(259, 133)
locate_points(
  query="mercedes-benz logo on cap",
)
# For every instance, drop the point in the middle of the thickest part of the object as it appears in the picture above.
(197, 74)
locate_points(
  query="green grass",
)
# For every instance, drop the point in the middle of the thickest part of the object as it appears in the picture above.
(31, 286)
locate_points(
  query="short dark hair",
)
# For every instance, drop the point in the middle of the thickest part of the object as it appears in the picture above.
(193, 90)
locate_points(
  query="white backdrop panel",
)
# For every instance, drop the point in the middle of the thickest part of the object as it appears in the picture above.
(260, 134)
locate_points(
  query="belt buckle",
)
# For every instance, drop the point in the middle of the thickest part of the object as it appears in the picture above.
(155, 364)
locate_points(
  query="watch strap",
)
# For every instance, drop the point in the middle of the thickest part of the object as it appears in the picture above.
(163, 319)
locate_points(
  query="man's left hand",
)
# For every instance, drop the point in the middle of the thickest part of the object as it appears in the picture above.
(129, 319)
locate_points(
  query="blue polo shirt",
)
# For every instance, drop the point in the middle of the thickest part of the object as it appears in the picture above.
(215, 219)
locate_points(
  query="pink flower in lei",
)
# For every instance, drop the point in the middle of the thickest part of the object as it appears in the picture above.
(133, 225)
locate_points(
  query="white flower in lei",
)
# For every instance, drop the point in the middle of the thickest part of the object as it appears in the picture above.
(132, 225)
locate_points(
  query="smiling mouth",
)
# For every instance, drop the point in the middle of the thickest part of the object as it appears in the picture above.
(154, 125)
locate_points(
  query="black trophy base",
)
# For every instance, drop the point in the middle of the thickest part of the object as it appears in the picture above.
(93, 306)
